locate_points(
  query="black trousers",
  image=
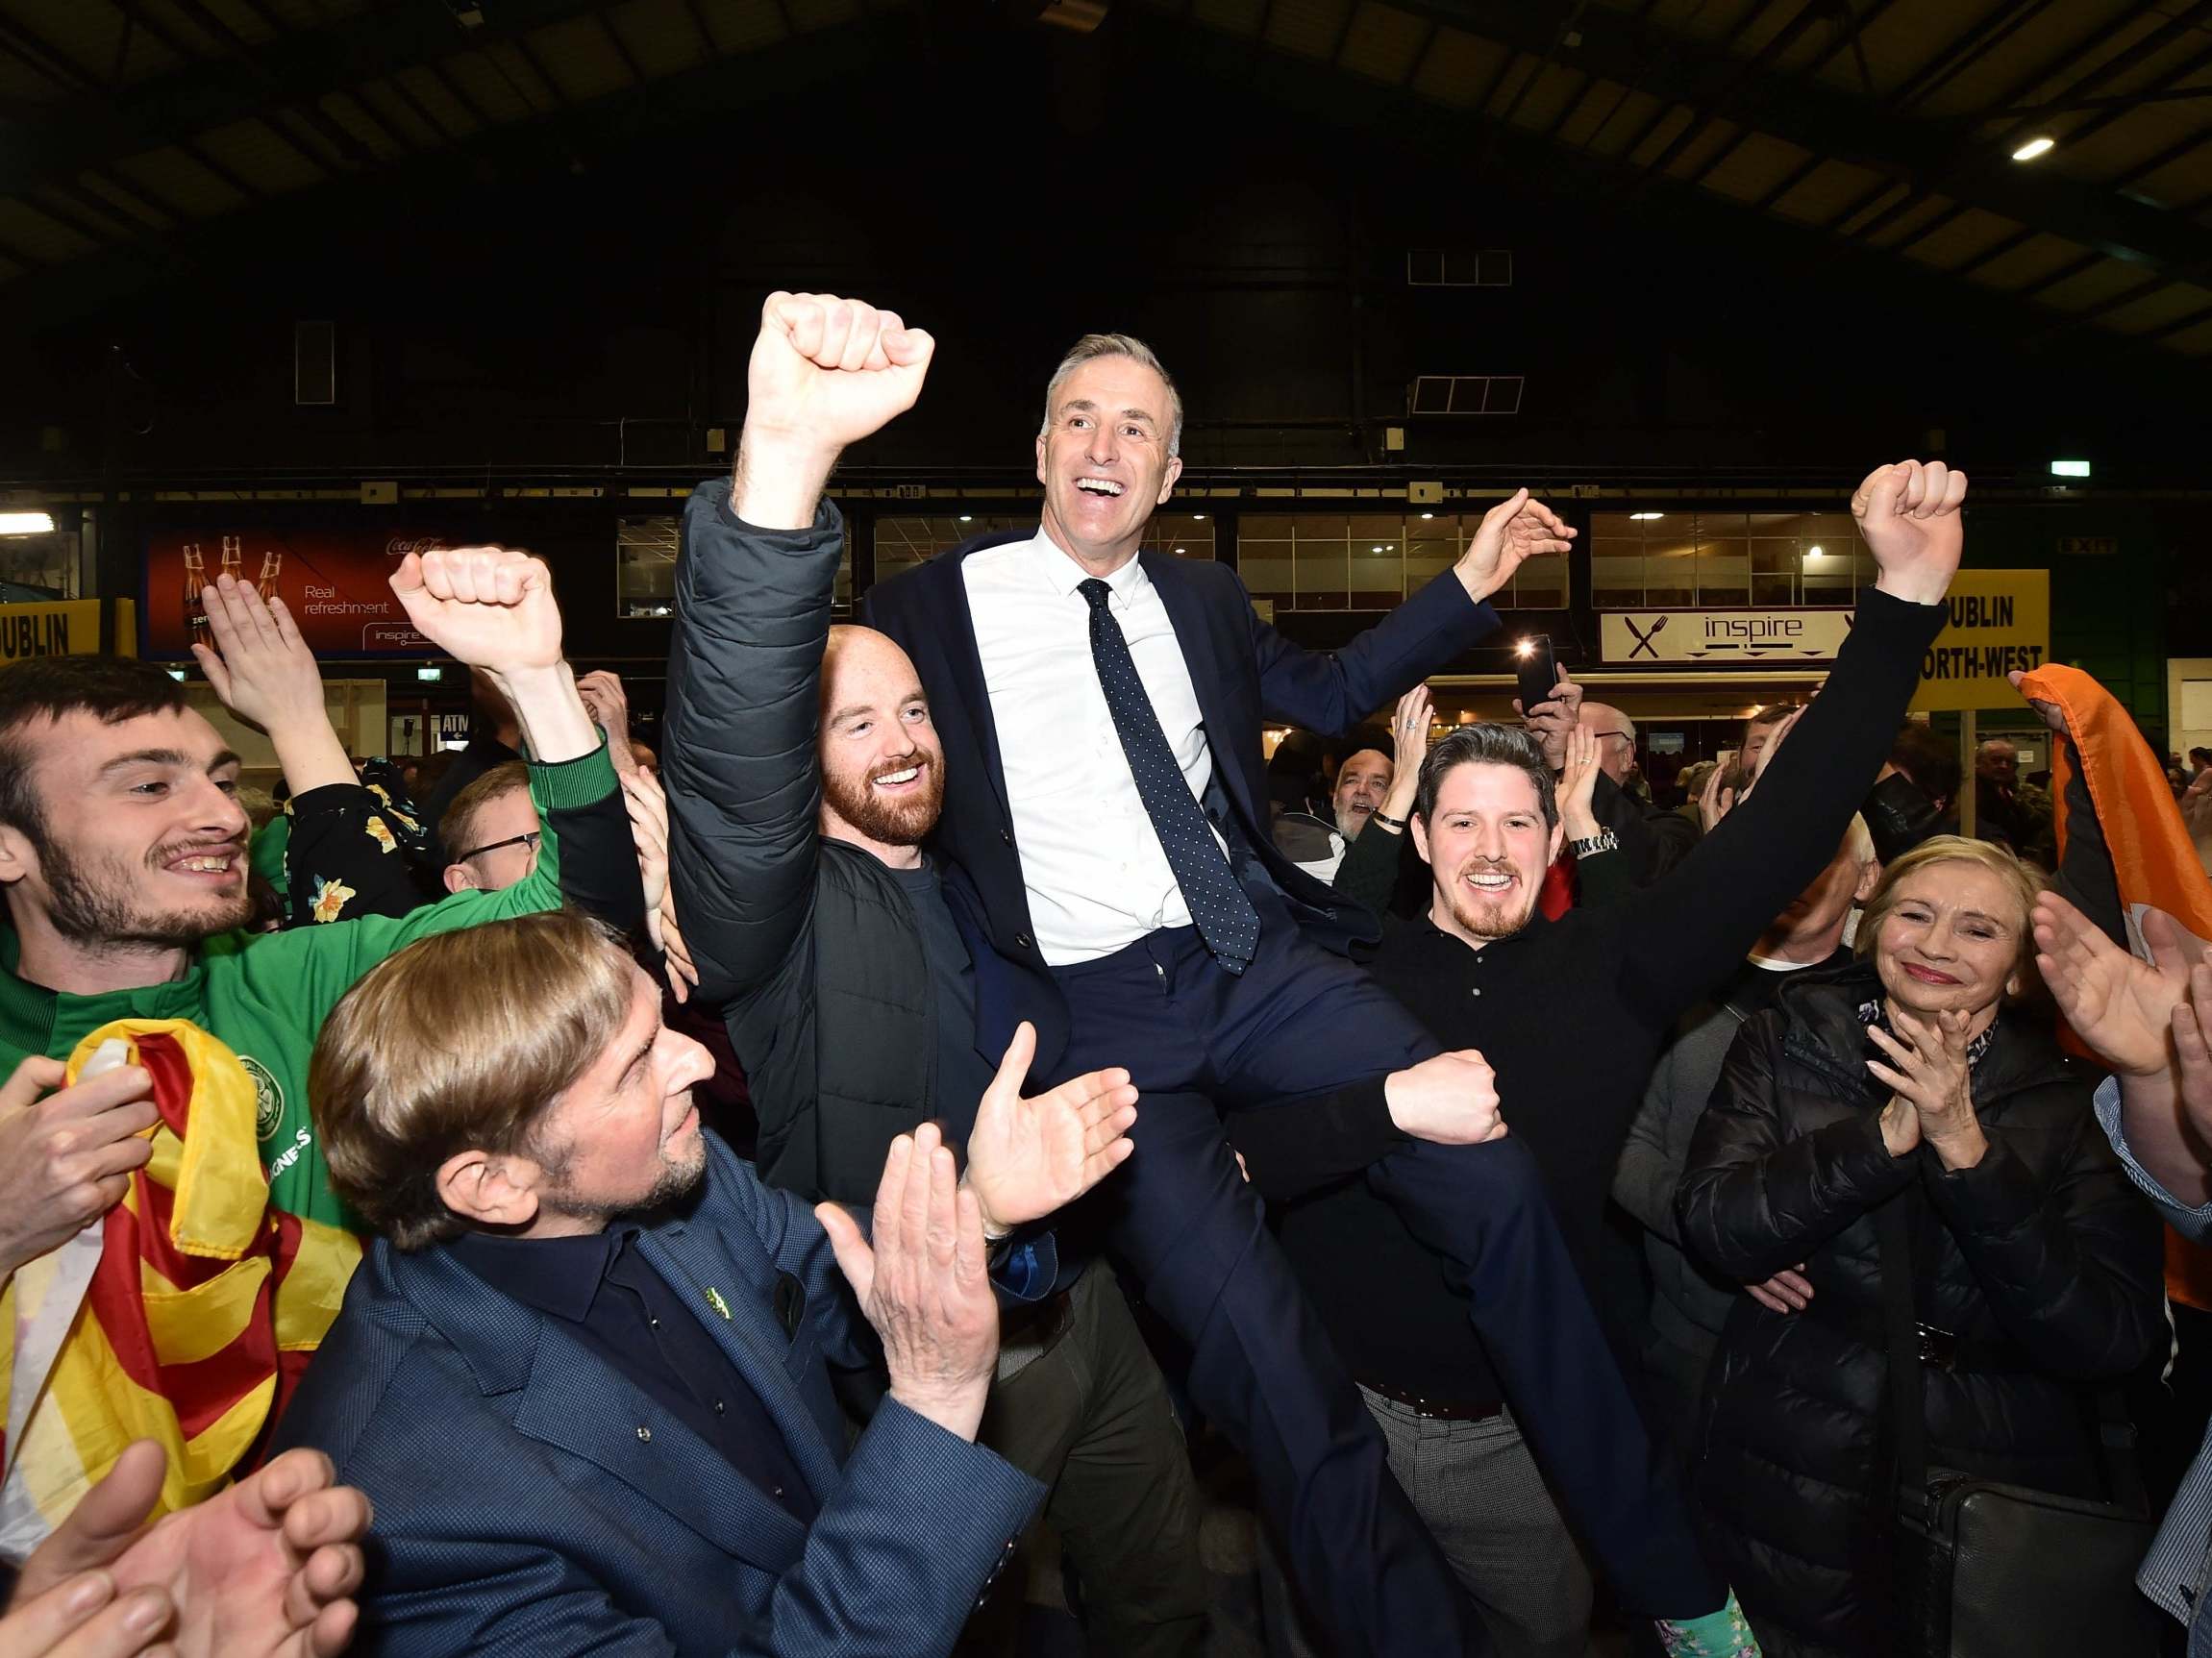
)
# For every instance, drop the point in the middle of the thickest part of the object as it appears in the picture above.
(1179, 1216)
(1090, 1418)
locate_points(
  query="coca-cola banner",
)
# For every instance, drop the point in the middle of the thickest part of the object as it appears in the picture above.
(333, 581)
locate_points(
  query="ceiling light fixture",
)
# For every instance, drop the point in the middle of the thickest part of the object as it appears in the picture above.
(26, 523)
(1811, 553)
(1644, 517)
(2033, 148)
(2069, 469)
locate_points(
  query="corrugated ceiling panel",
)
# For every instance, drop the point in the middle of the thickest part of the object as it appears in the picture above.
(1755, 166)
(97, 217)
(581, 58)
(1458, 68)
(811, 14)
(1599, 107)
(313, 13)
(660, 36)
(1961, 240)
(19, 82)
(1715, 140)
(1898, 45)
(28, 231)
(2125, 145)
(137, 208)
(1817, 198)
(1672, 125)
(436, 96)
(540, 94)
(2028, 264)
(1877, 227)
(2101, 282)
(1613, 136)
(495, 95)
(1700, 19)
(1383, 44)
(261, 155)
(1545, 99)
(1308, 28)
(2184, 180)
(2157, 308)
(240, 18)
(1758, 26)
(180, 182)
(743, 25)
(86, 32)
(2190, 343)
(344, 111)
(399, 115)
(2061, 40)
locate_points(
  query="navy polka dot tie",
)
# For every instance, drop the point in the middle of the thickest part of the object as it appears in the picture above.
(1225, 917)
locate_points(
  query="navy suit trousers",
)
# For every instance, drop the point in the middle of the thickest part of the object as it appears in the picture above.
(1300, 1021)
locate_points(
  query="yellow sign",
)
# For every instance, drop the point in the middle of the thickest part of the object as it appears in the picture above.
(2000, 620)
(60, 628)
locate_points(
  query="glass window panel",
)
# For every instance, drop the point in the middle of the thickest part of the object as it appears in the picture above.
(1431, 545)
(1183, 535)
(1774, 591)
(1617, 574)
(1321, 573)
(1540, 584)
(1378, 565)
(1265, 568)
(1724, 571)
(645, 565)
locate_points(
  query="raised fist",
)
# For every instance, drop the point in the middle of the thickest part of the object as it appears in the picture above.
(1908, 514)
(827, 372)
(490, 607)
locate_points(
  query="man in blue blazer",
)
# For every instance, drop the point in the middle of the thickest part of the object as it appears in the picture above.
(1101, 710)
(582, 1373)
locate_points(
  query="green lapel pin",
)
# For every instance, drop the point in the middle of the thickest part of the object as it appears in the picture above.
(714, 1299)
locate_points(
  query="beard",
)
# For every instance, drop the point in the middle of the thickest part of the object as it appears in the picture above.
(1490, 918)
(1350, 821)
(677, 1175)
(900, 822)
(92, 901)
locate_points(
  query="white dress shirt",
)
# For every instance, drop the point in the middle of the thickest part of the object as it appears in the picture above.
(1092, 864)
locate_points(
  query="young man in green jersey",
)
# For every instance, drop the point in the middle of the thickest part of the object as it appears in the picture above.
(122, 862)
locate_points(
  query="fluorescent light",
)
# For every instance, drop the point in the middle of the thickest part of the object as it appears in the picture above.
(1812, 552)
(1198, 517)
(967, 518)
(2069, 469)
(1428, 514)
(431, 675)
(1179, 549)
(26, 523)
(1644, 517)
(2033, 148)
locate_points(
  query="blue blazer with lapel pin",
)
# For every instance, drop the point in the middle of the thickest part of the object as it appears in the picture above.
(531, 1500)
(1246, 675)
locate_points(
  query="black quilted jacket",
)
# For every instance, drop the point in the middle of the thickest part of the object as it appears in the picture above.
(2043, 1255)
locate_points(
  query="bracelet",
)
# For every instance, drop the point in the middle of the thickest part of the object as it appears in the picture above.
(1604, 840)
(1387, 821)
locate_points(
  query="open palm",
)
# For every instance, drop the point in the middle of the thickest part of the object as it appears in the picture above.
(2121, 1005)
(1029, 1157)
(1511, 533)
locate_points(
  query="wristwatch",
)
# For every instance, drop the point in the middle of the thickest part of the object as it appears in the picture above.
(1604, 840)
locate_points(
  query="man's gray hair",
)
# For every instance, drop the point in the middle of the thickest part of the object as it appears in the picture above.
(1093, 346)
(1487, 744)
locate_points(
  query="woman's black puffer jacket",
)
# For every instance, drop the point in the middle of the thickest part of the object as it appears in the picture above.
(2042, 1257)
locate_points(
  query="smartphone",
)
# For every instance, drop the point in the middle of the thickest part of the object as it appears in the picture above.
(1538, 670)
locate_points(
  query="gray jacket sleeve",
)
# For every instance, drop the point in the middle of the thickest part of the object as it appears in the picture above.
(752, 615)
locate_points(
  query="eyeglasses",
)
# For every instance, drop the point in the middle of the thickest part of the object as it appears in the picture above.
(529, 840)
(1622, 735)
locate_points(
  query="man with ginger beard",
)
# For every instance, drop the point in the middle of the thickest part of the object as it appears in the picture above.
(803, 774)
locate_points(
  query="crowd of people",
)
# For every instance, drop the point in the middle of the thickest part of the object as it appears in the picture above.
(719, 1201)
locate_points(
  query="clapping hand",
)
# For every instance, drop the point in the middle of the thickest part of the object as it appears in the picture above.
(490, 607)
(1514, 530)
(2121, 1005)
(1931, 1084)
(259, 664)
(1029, 1157)
(1908, 514)
(1579, 783)
(264, 1569)
(924, 1283)
(608, 705)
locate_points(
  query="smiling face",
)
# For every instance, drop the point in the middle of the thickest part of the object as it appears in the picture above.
(138, 840)
(624, 1135)
(1951, 938)
(1362, 783)
(1488, 848)
(882, 767)
(1103, 460)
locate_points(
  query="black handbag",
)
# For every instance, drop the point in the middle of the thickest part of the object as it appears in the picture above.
(1984, 1570)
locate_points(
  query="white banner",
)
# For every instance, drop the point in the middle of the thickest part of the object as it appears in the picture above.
(1629, 636)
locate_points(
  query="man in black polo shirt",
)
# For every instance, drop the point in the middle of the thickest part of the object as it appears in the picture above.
(1571, 1013)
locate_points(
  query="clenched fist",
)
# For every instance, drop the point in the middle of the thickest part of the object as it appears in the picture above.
(490, 607)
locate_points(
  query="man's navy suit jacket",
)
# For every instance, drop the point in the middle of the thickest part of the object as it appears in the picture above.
(530, 1499)
(1246, 675)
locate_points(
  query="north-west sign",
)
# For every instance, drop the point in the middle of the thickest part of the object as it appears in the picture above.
(2000, 620)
